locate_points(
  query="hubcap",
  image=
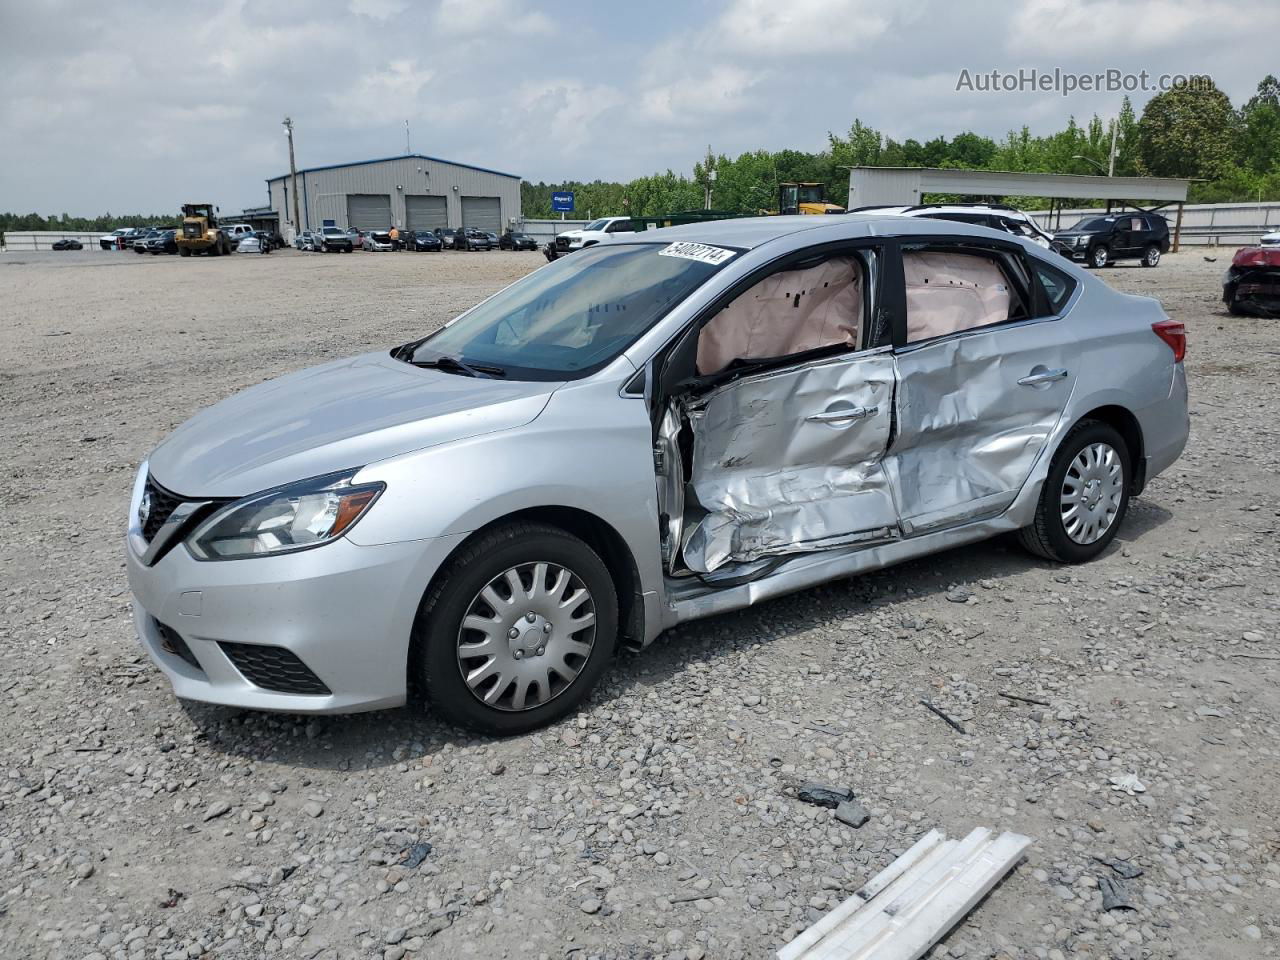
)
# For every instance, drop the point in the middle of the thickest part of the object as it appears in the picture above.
(1153, 257)
(1100, 257)
(526, 636)
(1091, 493)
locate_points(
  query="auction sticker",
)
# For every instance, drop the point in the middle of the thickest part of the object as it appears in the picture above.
(697, 251)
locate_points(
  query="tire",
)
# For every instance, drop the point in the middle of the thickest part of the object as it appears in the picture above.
(1151, 256)
(436, 667)
(1049, 536)
(1099, 256)
(184, 251)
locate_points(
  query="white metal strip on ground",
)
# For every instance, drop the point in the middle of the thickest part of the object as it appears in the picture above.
(913, 902)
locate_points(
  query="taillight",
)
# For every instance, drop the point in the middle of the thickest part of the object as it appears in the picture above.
(1175, 335)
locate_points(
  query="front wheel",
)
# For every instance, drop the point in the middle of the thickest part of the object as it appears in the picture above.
(1084, 498)
(1151, 257)
(1099, 256)
(516, 631)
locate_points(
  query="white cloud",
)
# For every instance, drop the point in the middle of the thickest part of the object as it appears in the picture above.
(799, 28)
(486, 17)
(720, 90)
(378, 9)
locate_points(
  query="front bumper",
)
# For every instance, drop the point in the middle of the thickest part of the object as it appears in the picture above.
(345, 611)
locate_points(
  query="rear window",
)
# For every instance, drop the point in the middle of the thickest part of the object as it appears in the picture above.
(1057, 285)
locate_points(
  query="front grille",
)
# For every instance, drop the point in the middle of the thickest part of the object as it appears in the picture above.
(562, 243)
(273, 668)
(163, 503)
(171, 642)
(192, 231)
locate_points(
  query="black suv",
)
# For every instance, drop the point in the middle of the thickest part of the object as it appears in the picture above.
(1100, 240)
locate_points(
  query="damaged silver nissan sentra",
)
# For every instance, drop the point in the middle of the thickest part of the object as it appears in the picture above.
(659, 428)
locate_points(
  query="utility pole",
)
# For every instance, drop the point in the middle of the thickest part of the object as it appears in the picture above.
(293, 176)
(407, 151)
(1111, 164)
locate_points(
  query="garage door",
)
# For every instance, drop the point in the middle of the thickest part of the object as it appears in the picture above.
(483, 213)
(426, 213)
(369, 211)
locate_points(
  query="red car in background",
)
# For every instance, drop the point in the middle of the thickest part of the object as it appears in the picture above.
(1251, 284)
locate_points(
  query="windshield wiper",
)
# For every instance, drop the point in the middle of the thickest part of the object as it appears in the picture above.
(454, 365)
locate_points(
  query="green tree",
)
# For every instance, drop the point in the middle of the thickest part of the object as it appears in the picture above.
(1190, 131)
(1260, 128)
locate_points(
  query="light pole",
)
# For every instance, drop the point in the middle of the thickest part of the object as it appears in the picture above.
(1093, 163)
(293, 175)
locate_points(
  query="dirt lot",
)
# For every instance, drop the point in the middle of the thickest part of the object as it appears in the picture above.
(661, 821)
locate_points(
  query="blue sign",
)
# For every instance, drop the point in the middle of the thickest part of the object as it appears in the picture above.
(562, 201)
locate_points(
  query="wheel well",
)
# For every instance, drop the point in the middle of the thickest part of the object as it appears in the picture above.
(1125, 424)
(605, 541)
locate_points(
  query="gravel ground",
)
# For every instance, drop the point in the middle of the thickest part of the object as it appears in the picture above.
(662, 820)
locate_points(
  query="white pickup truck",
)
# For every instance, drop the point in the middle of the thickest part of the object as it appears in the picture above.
(594, 232)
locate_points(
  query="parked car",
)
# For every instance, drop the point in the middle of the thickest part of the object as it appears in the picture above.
(68, 243)
(165, 241)
(930, 385)
(252, 243)
(111, 241)
(378, 241)
(424, 240)
(996, 216)
(140, 242)
(268, 239)
(517, 241)
(236, 232)
(448, 237)
(1101, 240)
(356, 237)
(1251, 284)
(305, 240)
(470, 239)
(494, 241)
(1270, 239)
(334, 240)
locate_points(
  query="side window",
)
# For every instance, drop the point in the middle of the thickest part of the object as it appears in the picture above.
(1136, 223)
(621, 226)
(809, 306)
(1057, 285)
(952, 289)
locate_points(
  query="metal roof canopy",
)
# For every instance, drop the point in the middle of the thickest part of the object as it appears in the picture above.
(906, 186)
(922, 180)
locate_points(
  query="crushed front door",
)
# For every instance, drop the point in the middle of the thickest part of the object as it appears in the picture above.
(790, 461)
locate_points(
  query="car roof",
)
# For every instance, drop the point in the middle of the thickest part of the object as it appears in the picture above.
(751, 232)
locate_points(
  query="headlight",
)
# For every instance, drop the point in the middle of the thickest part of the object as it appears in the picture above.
(285, 519)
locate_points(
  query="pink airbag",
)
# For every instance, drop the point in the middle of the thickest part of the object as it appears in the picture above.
(786, 313)
(949, 292)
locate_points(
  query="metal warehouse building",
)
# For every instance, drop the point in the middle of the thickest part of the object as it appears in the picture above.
(411, 191)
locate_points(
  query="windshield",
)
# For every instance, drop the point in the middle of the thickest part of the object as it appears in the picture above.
(1091, 224)
(573, 316)
(596, 225)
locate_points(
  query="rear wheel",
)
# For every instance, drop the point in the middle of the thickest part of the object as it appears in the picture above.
(1151, 256)
(1099, 256)
(516, 631)
(1084, 498)
(184, 251)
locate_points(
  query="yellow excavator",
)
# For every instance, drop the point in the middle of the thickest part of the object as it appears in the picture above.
(804, 197)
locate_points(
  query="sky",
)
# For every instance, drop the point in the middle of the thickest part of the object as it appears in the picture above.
(134, 107)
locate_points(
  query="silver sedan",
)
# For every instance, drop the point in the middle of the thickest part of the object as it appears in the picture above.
(672, 425)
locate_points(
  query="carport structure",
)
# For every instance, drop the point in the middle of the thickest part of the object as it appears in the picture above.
(907, 186)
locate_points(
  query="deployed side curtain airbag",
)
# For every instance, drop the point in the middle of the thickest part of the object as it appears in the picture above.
(787, 313)
(950, 292)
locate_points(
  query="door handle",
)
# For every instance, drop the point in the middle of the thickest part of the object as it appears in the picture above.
(840, 416)
(1042, 376)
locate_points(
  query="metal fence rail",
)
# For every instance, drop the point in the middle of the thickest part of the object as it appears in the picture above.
(25, 241)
